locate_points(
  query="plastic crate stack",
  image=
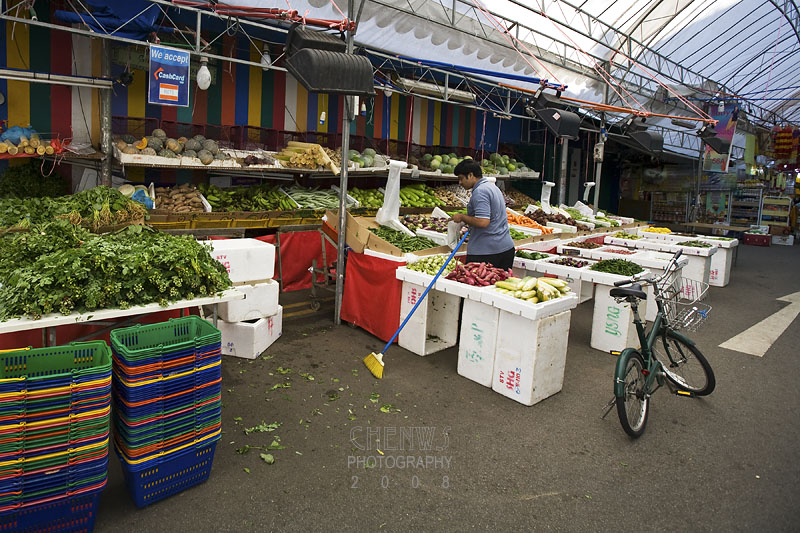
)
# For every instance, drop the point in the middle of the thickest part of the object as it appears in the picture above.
(167, 405)
(55, 408)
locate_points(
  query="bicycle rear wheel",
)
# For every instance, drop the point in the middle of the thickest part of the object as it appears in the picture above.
(685, 366)
(634, 406)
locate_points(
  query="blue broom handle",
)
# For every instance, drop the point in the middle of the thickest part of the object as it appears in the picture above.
(424, 294)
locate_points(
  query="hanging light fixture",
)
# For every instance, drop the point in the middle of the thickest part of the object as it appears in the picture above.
(266, 58)
(203, 75)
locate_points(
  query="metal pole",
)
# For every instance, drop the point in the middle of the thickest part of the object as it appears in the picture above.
(562, 179)
(348, 108)
(599, 160)
(105, 117)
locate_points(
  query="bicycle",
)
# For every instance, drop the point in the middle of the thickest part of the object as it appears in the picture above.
(675, 361)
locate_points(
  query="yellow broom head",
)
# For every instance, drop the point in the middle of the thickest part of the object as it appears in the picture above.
(374, 363)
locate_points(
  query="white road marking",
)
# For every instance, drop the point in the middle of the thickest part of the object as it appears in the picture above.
(757, 339)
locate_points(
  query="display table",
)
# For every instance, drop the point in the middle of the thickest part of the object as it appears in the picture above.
(53, 320)
(698, 265)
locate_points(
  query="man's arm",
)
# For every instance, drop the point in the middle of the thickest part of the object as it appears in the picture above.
(478, 222)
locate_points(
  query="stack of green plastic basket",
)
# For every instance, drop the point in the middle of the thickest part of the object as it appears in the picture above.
(55, 406)
(167, 405)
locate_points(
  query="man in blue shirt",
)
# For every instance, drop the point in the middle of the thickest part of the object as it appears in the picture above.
(489, 239)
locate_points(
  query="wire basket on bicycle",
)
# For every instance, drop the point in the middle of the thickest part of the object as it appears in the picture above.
(686, 301)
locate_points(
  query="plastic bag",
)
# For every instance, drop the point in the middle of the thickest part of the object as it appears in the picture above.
(390, 212)
(454, 233)
(14, 133)
(142, 197)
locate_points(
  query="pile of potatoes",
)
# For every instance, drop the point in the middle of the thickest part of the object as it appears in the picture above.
(184, 198)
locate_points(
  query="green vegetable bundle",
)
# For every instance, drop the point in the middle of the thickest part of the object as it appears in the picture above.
(696, 244)
(432, 264)
(255, 198)
(623, 235)
(620, 267)
(405, 242)
(517, 235)
(531, 255)
(27, 181)
(94, 208)
(61, 267)
(315, 198)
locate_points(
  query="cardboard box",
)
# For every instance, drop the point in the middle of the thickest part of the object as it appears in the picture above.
(355, 240)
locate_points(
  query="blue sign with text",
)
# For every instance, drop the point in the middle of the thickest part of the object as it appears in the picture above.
(169, 77)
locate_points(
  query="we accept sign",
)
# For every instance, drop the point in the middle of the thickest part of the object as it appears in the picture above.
(169, 77)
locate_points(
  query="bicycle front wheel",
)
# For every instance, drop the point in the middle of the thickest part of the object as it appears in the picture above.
(685, 366)
(634, 405)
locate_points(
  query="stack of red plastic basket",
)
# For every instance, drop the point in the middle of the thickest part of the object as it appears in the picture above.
(55, 406)
(167, 405)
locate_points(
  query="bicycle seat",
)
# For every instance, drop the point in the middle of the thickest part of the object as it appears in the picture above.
(634, 290)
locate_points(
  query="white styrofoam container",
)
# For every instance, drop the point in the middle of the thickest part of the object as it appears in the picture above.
(528, 264)
(604, 278)
(697, 268)
(617, 241)
(413, 276)
(249, 339)
(524, 229)
(719, 270)
(476, 345)
(530, 356)
(783, 240)
(461, 290)
(584, 289)
(612, 323)
(433, 326)
(246, 260)
(260, 300)
(605, 253)
(565, 228)
(532, 311)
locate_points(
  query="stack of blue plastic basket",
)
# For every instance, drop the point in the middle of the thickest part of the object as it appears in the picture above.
(55, 406)
(167, 405)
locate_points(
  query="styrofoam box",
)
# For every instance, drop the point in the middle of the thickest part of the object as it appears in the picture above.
(612, 323)
(617, 241)
(532, 311)
(526, 230)
(719, 269)
(697, 268)
(565, 228)
(246, 260)
(418, 278)
(433, 326)
(476, 346)
(530, 356)
(783, 240)
(260, 300)
(604, 278)
(461, 290)
(249, 339)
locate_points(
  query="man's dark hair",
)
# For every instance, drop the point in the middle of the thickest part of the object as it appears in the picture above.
(467, 166)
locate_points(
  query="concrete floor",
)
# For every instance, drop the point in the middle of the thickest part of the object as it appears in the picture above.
(727, 462)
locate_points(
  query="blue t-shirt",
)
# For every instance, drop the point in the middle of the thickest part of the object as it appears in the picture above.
(487, 202)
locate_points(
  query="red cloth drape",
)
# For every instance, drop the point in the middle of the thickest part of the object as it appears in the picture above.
(66, 334)
(298, 249)
(371, 297)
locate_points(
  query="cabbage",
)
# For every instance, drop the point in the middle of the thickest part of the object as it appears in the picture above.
(127, 190)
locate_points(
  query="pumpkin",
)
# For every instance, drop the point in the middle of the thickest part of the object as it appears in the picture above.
(158, 132)
(155, 143)
(130, 150)
(167, 153)
(149, 151)
(189, 153)
(199, 138)
(205, 157)
(211, 146)
(121, 144)
(130, 139)
(182, 140)
(141, 145)
(192, 144)
(173, 145)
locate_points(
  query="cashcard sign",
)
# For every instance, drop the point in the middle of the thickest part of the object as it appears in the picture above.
(168, 76)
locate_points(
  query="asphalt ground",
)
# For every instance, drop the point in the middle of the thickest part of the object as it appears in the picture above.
(458, 456)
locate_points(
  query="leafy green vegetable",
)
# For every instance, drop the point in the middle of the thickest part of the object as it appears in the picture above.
(624, 235)
(621, 267)
(696, 244)
(517, 235)
(94, 208)
(61, 267)
(268, 458)
(263, 427)
(27, 181)
(405, 242)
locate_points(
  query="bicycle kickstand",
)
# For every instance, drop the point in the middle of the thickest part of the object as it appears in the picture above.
(608, 407)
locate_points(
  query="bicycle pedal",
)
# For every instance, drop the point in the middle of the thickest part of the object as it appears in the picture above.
(685, 393)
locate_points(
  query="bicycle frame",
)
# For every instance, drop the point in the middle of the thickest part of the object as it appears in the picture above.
(647, 340)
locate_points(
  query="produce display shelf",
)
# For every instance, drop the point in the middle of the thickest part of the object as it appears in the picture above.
(57, 319)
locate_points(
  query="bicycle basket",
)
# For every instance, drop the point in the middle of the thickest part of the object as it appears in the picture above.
(686, 302)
